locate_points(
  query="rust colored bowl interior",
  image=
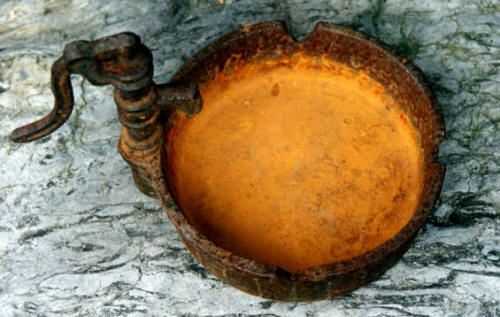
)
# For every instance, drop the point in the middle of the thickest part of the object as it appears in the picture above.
(311, 165)
(297, 165)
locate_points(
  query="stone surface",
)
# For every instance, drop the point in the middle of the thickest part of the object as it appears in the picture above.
(77, 239)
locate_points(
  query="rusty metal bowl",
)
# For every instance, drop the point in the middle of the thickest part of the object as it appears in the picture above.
(403, 81)
(155, 142)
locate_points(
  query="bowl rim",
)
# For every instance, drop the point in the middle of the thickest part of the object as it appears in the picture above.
(325, 271)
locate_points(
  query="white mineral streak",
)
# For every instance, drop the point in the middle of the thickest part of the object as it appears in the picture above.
(77, 239)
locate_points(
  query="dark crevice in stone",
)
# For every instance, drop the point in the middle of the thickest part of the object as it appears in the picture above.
(92, 270)
(400, 310)
(468, 219)
(408, 45)
(198, 269)
(443, 283)
(440, 254)
(266, 304)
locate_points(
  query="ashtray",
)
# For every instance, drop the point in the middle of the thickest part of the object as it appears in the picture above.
(301, 169)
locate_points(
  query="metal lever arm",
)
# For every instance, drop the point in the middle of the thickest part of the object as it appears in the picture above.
(120, 60)
(123, 61)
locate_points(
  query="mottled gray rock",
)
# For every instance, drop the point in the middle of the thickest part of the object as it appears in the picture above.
(77, 239)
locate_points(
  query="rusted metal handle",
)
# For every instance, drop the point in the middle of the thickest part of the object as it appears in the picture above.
(120, 60)
(61, 88)
(123, 61)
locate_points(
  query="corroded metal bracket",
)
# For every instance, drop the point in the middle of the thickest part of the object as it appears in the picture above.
(123, 61)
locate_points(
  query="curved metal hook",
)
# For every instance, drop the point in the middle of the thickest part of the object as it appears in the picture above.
(120, 60)
(63, 105)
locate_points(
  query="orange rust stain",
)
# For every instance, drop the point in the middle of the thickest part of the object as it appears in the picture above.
(322, 168)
